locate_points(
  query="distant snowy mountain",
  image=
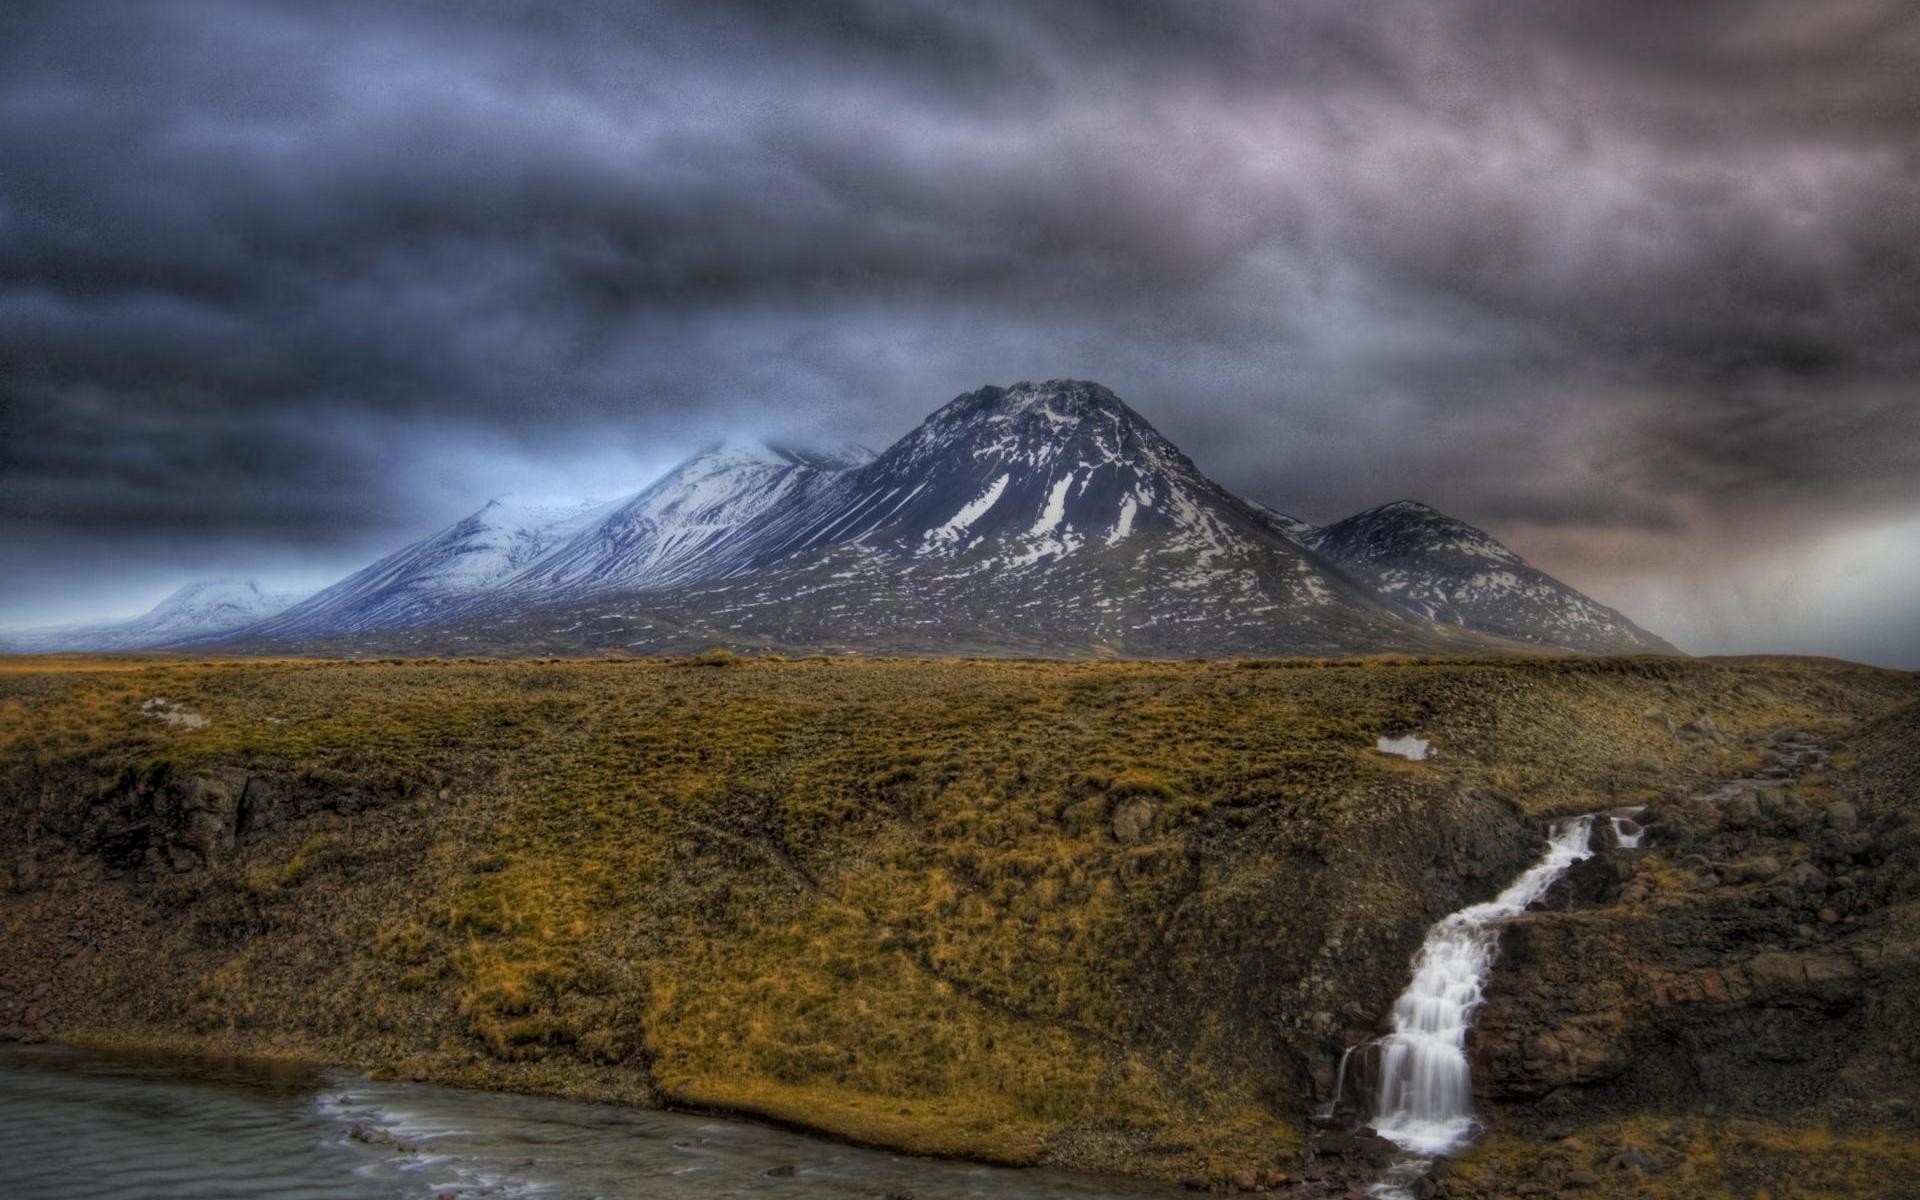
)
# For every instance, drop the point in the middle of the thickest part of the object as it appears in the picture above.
(694, 523)
(194, 613)
(435, 575)
(1039, 518)
(1448, 571)
(509, 557)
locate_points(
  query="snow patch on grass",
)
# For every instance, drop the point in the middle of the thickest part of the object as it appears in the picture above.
(1411, 748)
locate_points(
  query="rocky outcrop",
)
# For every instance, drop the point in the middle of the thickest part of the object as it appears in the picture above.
(1762, 957)
(168, 820)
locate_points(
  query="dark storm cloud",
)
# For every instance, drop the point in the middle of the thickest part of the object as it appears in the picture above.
(283, 275)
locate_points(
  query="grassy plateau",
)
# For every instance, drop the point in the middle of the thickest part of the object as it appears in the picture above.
(1118, 916)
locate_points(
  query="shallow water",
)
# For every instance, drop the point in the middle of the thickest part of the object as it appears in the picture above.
(77, 1124)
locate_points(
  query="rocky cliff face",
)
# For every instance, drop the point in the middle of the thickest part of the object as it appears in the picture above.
(1756, 967)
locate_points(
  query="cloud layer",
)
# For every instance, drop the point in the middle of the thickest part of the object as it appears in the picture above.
(1636, 285)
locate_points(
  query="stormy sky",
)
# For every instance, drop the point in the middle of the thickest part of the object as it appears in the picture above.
(1634, 285)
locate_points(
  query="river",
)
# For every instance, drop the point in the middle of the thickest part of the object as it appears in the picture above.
(83, 1125)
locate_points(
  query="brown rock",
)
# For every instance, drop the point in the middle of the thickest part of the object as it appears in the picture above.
(1132, 819)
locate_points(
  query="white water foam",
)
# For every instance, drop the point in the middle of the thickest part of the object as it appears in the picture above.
(1425, 1101)
(1627, 829)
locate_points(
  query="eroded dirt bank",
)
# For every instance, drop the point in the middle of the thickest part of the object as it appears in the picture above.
(1115, 916)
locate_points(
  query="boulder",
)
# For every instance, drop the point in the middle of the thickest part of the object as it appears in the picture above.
(1132, 819)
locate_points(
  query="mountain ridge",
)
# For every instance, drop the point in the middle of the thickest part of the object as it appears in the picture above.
(1037, 518)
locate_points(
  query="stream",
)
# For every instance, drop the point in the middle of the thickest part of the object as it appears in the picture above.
(82, 1125)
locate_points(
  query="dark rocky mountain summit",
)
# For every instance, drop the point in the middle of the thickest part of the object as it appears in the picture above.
(1042, 518)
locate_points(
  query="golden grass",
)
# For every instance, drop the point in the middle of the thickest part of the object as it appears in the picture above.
(1003, 909)
(1700, 1158)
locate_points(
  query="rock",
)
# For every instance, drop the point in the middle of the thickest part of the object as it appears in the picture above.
(373, 1135)
(1132, 819)
(1701, 726)
(1334, 1144)
(1636, 1159)
(783, 1171)
(1743, 811)
(1580, 1180)
(1842, 817)
(1244, 1180)
(1378, 1151)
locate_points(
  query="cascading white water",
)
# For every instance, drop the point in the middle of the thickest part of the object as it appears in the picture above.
(1425, 1102)
(1627, 829)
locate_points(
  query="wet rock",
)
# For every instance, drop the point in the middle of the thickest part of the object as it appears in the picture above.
(373, 1135)
(1334, 1143)
(783, 1171)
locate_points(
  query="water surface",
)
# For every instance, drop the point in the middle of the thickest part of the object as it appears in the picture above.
(79, 1125)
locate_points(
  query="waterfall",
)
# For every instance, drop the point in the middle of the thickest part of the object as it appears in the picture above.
(1627, 828)
(1425, 1100)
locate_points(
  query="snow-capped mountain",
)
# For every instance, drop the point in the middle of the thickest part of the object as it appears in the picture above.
(197, 611)
(1451, 572)
(1047, 517)
(509, 557)
(432, 577)
(694, 523)
(1039, 518)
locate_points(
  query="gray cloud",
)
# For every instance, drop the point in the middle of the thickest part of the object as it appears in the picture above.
(297, 279)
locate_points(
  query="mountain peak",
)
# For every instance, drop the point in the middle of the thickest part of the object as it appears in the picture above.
(781, 454)
(1408, 508)
(1059, 401)
(1448, 571)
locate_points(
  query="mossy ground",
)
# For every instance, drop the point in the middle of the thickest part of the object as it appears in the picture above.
(1700, 1157)
(894, 900)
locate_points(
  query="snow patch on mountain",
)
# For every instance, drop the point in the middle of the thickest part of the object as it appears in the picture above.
(951, 531)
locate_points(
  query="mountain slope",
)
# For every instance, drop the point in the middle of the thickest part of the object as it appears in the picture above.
(431, 578)
(1451, 572)
(694, 523)
(197, 611)
(1042, 518)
